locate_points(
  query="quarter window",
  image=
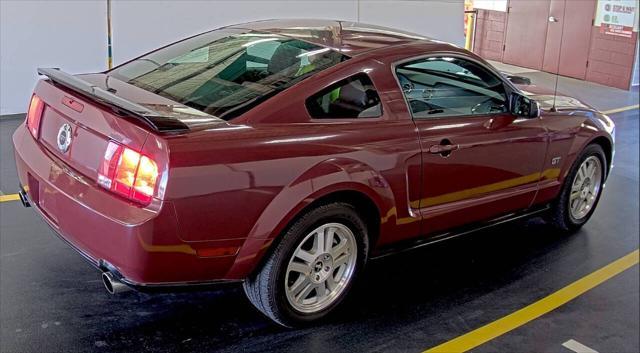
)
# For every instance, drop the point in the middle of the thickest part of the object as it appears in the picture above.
(448, 86)
(352, 98)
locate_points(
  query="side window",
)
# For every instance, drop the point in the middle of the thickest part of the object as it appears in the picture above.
(448, 86)
(351, 98)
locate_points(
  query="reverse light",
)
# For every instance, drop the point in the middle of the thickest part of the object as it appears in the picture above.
(34, 115)
(128, 173)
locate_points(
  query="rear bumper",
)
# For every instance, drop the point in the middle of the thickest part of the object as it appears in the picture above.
(139, 245)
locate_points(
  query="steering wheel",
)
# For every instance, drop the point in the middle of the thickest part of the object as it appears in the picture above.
(420, 106)
(405, 83)
(483, 103)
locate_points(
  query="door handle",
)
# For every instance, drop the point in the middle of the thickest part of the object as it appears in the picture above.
(444, 148)
(553, 19)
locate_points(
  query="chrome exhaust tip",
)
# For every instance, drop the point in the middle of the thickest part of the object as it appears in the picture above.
(24, 198)
(112, 284)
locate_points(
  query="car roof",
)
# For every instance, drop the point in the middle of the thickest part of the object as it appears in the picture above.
(349, 38)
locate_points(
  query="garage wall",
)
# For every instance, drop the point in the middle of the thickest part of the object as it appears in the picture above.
(491, 27)
(611, 59)
(168, 21)
(635, 81)
(440, 19)
(39, 33)
(72, 34)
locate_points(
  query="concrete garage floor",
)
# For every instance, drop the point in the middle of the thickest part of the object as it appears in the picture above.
(51, 300)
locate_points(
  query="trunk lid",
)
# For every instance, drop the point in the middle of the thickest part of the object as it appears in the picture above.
(91, 128)
(111, 132)
(99, 108)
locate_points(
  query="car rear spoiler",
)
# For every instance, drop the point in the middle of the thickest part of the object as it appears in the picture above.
(157, 121)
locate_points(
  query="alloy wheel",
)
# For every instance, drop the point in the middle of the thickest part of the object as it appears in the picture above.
(321, 267)
(585, 188)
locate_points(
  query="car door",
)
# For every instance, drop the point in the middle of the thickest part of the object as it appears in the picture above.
(479, 161)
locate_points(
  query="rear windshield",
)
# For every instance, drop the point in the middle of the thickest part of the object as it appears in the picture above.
(227, 72)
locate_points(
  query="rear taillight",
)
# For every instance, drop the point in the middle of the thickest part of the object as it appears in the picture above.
(34, 114)
(128, 173)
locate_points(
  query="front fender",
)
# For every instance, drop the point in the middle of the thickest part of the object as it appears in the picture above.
(589, 132)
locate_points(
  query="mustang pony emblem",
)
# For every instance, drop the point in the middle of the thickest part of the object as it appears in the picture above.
(64, 138)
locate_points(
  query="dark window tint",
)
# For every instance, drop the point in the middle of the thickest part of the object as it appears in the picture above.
(447, 86)
(227, 72)
(355, 97)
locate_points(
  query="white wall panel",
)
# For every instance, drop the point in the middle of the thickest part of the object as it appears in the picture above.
(69, 34)
(168, 21)
(72, 34)
(439, 19)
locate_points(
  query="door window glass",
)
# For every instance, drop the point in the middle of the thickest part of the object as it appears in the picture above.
(448, 86)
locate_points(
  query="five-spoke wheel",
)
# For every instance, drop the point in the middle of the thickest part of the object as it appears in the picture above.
(585, 187)
(320, 267)
(312, 267)
(581, 190)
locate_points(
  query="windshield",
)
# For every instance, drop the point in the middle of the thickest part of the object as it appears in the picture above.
(227, 72)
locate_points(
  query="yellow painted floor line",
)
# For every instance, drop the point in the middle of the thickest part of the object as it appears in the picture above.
(12, 197)
(623, 109)
(512, 321)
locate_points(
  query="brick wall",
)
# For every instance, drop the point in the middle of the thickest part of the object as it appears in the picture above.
(490, 32)
(611, 59)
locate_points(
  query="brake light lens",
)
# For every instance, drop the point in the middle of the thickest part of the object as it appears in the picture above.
(128, 173)
(146, 178)
(34, 115)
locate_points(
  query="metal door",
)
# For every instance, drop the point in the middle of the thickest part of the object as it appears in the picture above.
(570, 24)
(526, 33)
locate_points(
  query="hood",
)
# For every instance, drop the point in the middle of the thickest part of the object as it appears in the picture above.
(546, 97)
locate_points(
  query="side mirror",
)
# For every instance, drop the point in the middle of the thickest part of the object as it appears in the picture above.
(523, 106)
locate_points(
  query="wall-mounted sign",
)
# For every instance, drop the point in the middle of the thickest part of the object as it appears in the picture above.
(617, 17)
(495, 5)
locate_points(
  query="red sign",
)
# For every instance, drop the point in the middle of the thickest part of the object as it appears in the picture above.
(617, 17)
(615, 30)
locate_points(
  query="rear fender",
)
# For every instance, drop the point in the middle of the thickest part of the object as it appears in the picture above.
(323, 179)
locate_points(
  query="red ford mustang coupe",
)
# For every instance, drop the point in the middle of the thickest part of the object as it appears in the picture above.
(285, 154)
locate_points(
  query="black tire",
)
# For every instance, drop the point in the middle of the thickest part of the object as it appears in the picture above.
(560, 216)
(266, 288)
